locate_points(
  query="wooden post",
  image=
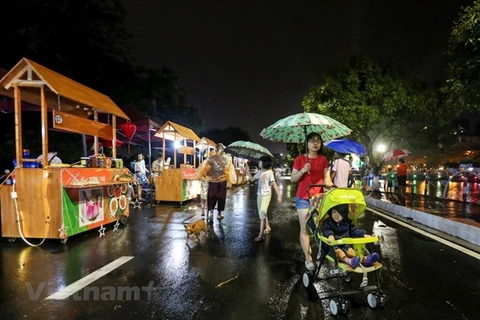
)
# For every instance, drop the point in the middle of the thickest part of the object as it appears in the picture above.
(174, 150)
(95, 138)
(163, 152)
(114, 136)
(194, 154)
(185, 154)
(18, 125)
(44, 115)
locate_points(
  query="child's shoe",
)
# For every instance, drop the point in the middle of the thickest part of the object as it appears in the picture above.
(355, 262)
(370, 259)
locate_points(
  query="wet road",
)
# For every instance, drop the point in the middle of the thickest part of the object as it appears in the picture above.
(227, 275)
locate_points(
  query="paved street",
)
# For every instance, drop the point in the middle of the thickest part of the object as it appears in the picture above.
(227, 275)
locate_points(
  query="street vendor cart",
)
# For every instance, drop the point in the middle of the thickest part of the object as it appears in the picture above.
(178, 184)
(58, 201)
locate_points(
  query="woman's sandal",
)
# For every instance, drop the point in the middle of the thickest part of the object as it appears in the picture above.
(267, 231)
(259, 238)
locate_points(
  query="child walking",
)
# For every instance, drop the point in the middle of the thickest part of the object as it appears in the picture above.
(266, 180)
(338, 226)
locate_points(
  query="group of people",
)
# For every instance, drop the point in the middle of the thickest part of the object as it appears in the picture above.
(312, 168)
(400, 178)
(216, 171)
(140, 170)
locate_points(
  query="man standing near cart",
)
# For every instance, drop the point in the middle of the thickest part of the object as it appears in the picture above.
(157, 167)
(52, 158)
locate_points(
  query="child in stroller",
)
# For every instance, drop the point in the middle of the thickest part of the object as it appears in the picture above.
(331, 221)
(338, 226)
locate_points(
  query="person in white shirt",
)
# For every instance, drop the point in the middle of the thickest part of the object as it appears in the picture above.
(266, 179)
(140, 174)
(52, 158)
(340, 170)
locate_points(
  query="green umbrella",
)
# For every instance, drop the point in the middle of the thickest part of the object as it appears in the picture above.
(295, 128)
(248, 149)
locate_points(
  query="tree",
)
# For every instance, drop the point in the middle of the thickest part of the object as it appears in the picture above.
(463, 72)
(83, 40)
(381, 105)
(159, 94)
(87, 42)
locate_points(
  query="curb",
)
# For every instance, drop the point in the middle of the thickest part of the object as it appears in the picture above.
(459, 230)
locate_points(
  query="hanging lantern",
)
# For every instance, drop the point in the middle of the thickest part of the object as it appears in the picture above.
(128, 130)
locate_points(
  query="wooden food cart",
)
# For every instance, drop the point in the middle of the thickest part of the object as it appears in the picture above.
(178, 184)
(58, 201)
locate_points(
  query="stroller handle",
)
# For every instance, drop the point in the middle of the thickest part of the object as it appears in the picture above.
(318, 186)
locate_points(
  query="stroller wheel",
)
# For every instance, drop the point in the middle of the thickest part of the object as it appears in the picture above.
(307, 279)
(381, 298)
(372, 300)
(345, 305)
(334, 307)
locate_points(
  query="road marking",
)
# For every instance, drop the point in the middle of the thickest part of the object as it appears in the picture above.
(85, 281)
(427, 234)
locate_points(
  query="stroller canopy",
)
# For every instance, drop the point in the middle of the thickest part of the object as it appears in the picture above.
(336, 196)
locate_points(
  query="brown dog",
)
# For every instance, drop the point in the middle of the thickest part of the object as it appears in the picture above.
(195, 228)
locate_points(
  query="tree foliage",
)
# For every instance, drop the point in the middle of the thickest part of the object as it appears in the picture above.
(87, 41)
(380, 104)
(463, 72)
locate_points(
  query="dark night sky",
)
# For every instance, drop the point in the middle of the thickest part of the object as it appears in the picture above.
(250, 63)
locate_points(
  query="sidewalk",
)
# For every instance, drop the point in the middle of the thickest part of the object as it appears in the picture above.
(454, 218)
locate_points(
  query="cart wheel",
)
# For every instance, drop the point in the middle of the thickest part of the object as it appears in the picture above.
(348, 277)
(334, 307)
(307, 279)
(63, 241)
(344, 305)
(11, 240)
(381, 298)
(372, 300)
(124, 220)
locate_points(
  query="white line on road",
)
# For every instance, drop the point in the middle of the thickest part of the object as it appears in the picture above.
(85, 281)
(427, 234)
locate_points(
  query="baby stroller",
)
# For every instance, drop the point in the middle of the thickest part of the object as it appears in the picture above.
(320, 204)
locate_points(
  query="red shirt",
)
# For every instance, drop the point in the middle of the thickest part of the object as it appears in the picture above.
(402, 170)
(318, 166)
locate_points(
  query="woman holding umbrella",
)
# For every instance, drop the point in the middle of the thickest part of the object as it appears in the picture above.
(309, 168)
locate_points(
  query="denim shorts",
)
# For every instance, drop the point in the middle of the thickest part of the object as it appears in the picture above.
(301, 203)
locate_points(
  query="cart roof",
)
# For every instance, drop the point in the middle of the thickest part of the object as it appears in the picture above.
(209, 142)
(76, 96)
(174, 131)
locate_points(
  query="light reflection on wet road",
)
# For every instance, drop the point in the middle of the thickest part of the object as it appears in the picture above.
(422, 279)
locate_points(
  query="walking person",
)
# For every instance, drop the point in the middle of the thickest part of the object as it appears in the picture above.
(217, 170)
(402, 177)
(309, 168)
(203, 185)
(341, 170)
(266, 180)
(390, 181)
(140, 174)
